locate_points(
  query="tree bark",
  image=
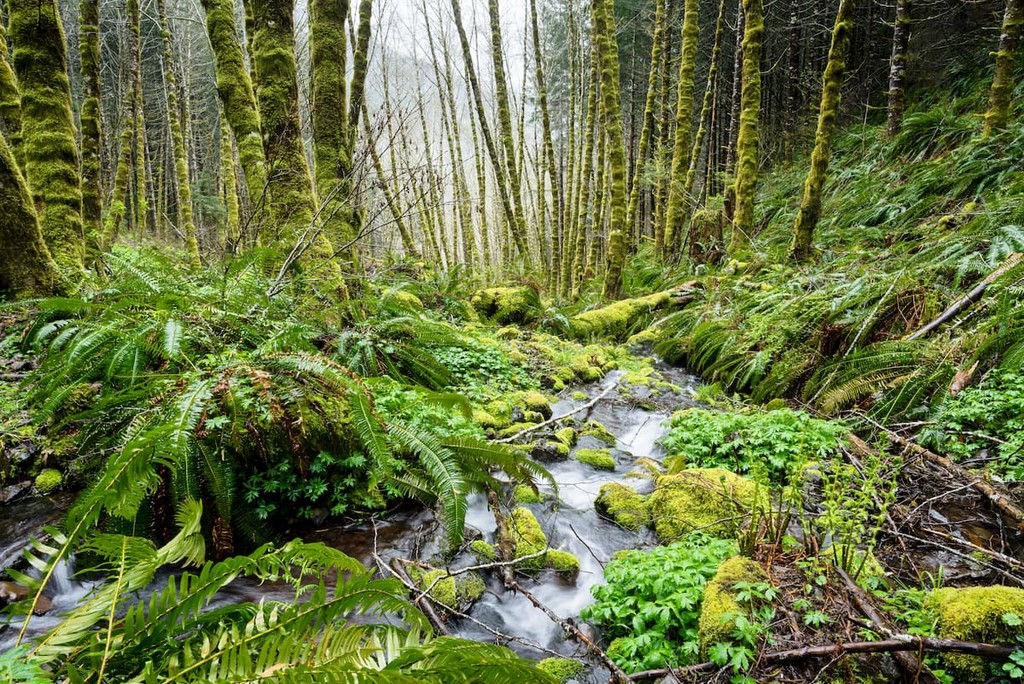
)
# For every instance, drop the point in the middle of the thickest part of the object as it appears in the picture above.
(748, 141)
(1003, 81)
(898, 67)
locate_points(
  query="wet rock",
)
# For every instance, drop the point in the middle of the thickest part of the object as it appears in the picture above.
(547, 451)
(14, 491)
(11, 592)
(43, 606)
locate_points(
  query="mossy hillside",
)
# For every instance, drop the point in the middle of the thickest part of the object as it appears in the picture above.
(601, 459)
(710, 500)
(624, 505)
(720, 608)
(528, 539)
(976, 614)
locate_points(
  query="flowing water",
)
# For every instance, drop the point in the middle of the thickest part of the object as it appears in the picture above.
(571, 524)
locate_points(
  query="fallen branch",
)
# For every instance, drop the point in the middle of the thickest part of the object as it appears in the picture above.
(422, 601)
(895, 644)
(618, 674)
(970, 297)
(549, 421)
(915, 669)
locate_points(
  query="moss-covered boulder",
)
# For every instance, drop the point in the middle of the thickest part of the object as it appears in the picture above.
(624, 505)
(537, 402)
(599, 432)
(483, 551)
(601, 459)
(567, 436)
(549, 451)
(48, 481)
(561, 669)
(709, 500)
(617, 320)
(527, 539)
(976, 614)
(454, 592)
(524, 494)
(719, 607)
(507, 305)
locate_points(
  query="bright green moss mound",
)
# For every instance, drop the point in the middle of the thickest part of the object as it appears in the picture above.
(452, 592)
(537, 402)
(709, 500)
(483, 551)
(599, 432)
(719, 609)
(561, 669)
(616, 320)
(623, 505)
(505, 305)
(566, 436)
(523, 494)
(528, 539)
(976, 614)
(48, 481)
(598, 458)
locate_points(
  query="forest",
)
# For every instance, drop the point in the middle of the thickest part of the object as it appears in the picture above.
(508, 341)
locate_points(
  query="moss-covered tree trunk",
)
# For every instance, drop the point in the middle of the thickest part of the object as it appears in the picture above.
(181, 171)
(10, 99)
(550, 163)
(238, 99)
(329, 55)
(587, 185)
(898, 67)
(748, 142)
(611, 116)
(706, 107)
(25, 264)
(1006, 57)
(91, 120)
(49, 139)
(650, 105)
(675, 210)
(229, 183)
(832, 83)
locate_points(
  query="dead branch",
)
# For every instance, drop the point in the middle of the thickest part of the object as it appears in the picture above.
(549, 421)
(970, 297)
(422, 601)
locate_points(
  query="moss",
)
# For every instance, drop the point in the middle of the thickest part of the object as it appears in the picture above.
(505, 305)
(623, 505)
(514, 429)
(975, 614)
(566, 436)
(563, 563)
(49, 139)
(579, 396)
(599, 458)
(535, 401)
(469, 587)
(720, 602)
(452, 592)
(48, 481)
(710, 500)
(528, 538)
(617, 319)
(561, 669)
(599, 432)
(524, 494)
(509, 332)
(747, 145)
(407, 300)
(483, 551)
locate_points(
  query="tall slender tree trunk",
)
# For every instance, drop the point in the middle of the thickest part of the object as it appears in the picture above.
(898, 66)
(92, 125)
(549, 152)
(328, 56)
(748, 140)
(732, 136)
(49, 140)
(1003, 81)
(706, 107)
(674, 212)
(10, 100)
(832, 83)
(181, 171)
(229, 181)
(611, 116)
(25, 264)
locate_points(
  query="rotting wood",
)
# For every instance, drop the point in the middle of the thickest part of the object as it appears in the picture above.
(971, 297)
(915, 669)
(898, 642)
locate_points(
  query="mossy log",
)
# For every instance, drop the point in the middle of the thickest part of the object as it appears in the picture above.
(617, 320)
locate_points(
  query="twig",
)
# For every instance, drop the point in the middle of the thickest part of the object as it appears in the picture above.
(549, 421)
(422, 601)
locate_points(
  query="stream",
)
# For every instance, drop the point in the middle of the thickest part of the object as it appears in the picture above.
(571, 524)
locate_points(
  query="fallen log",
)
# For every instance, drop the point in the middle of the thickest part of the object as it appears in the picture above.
(617, 319)
(971, 297)
(897, 643)
(915, 669)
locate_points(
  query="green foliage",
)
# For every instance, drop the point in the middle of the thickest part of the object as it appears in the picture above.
(562, 669)
(987, 417)
(481, 371)
(782, 441)
(650, 603)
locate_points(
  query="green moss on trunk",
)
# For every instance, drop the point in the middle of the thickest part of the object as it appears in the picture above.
(1006, 57)
(10, 99)
(49, 140)
(835, 69)
(747, 144)
(92, 134)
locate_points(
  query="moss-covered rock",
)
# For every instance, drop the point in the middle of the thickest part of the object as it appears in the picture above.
(598, 458)
(483, 551)
(624, 505)
(535, 401)
(454, 592)
(975, 614)
(48, 481)
(616, 320)
(523, 494)
(527, 537)
(709, 500)
(599, 432)
(407, 300)
(563, 563)
(561, 669)
(507, 305)
(549, 451)
(719, 607)
(579, 396)
(567, 436)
